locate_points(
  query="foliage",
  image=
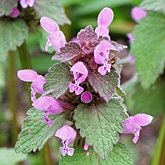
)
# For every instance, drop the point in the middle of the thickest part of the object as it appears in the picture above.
(100, 124)
(13, 35)
(148, 48)
(9, 157)
(35, 132)
(120, 155)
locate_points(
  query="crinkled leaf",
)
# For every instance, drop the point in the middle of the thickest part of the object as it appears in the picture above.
(68, 52)
(8, 156)
(120, 155)
(57, 79)
(150, 101)
(104, 85)
(148, 47)
(100, 124)
(87, 37)
(12, 34)
(154, 5)
(6, 6)
(52, 9)
(35, 132)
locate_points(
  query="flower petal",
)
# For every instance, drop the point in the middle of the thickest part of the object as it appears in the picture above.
(57, 40)
(66, 133)
(23, 3)
(27, 75)
(43, 103)
(138, 13)
(77, 69)
(63, 151)
(142, 119)
(86, 97)
(31, 3)
(70, 151)
(15, 12)
(105, 17)
(102, 31)
(49, 25)
(102, 70)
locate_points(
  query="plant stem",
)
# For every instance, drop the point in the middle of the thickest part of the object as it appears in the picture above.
(25, 60)
(46, 155)
(159, 153)
(12, 94)
(24, 56)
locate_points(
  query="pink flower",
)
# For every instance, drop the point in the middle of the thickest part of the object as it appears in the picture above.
(56, 37)
(14, 13)
(86, 97)
(130, 37)
(67, 134)
(105, 18)
(133, 125)
(26, 3)
(101, 56)
(138, 13)
(50, 106)
(80, 73)
(38, 81)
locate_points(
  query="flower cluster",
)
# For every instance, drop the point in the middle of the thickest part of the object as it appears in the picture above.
(92, 51)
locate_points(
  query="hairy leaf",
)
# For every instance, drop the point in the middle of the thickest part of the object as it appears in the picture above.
(148, 48)
(150, 101)
(100, 124)
(57, 79)
(52, 9)
(120, 155)
(68, 52)
(9, 157)
(6, 6)
(104, 85)
(88, 39)
(13, 33)
(35, 132)
(154, 5)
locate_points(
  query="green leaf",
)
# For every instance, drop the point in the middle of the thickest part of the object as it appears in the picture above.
(95, 6)
(52, 9)
(35, 132)
(13, 33)
(120, 155)
(150, 101)
(154, 5)
(100, 124)
(148, 48)
(57, 79)
(104, 85)
(6, 6)
(10, 157)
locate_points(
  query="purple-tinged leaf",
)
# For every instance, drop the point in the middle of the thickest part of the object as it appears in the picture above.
(104, 85)
(68, 52)
(57, 80)
(88, 39)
